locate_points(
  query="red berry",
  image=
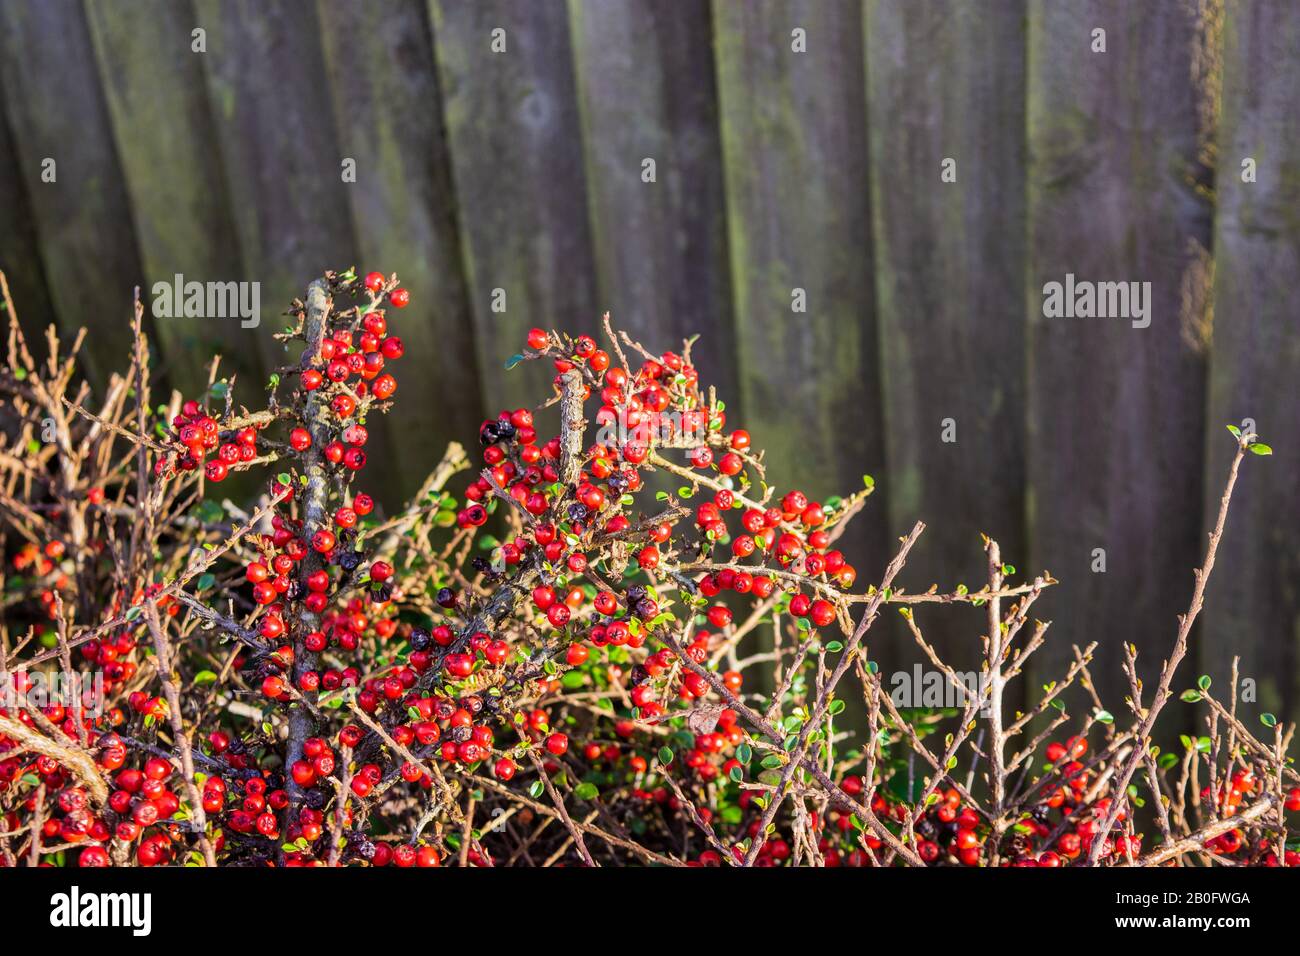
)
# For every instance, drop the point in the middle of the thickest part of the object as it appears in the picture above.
(374, 281)
(400, 298)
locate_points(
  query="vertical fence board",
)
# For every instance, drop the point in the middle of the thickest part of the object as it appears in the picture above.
(1116, 417)
(83, 223)
(946, 81)
(513, 129)
(647, 90)
(154, 85)
(388, 109)
(795, 154)
(20, 259)
(1253, 601)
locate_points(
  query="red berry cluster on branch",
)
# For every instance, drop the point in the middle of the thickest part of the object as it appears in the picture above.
(346, 685)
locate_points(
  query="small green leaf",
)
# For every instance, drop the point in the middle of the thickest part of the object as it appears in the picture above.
(1268, 720)
(1203, 682)
(586, 791)
(666, 756)
(1235, 431)
(206, 581)
(1259, 448)
(536, 788)
(1105, 717)
(836, 706)
(834, 647)
(205, 677)
(513, 361)
(1190, 696)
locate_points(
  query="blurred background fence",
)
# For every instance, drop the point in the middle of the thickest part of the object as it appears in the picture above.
(799, 152)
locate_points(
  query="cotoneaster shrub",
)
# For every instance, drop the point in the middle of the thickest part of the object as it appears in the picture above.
(543, 662)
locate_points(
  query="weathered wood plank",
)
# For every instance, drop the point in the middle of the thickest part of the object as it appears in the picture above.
(1253, 601)
(945, 82)
(83, 225)
(279, 149)
(513, 130)
(20, 258)
(1116, 424)
(795, 152)
(154, 85)
(647, 90)
(379, 57)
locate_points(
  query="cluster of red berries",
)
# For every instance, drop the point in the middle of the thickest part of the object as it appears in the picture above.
(437, 680)
(200, 434)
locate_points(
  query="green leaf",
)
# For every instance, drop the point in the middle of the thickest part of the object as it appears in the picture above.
(1105, 717)
(1236, 432)
(868, 482)
(836, 706)
(834, 647)
(586, 791)
(513, 361)
(1203, 682)
(134, 612)
(536, 788)
(1189, 696)
(737, 774)
(206, 581)
(205, 677)
(220, 390)
(1259, 448)
(1268, 720)
(666, 756)
(770, 762)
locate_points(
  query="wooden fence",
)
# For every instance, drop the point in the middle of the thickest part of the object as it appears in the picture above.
(799, 155)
